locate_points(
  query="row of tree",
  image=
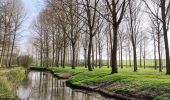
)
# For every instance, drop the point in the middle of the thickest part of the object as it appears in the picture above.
(11, 17)
(68, 27)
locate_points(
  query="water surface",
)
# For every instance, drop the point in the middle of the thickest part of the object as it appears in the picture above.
(43, 86)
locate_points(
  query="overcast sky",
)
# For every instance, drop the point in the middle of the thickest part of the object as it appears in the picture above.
(32, 9)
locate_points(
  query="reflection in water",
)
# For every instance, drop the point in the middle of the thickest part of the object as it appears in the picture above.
(42, 86)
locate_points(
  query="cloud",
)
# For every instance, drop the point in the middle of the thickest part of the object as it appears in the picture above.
(32, 10)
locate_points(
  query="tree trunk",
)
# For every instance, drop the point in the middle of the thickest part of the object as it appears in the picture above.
(13, 43)
(129, 57)
(99, 57)
(159, 54)
(126, 59)
(89, 55)
(8, 51)
(140, 53)
(96, 64)
(41, 52)
(64, 57)
(108, 52)
(121, 55)
(134, 56)
(85, 58)
(73, 56)
(114, 52)
(166, 51)
(163, 11)
(92, 56)
(53, 53)
(144, 55)
(61, 58)
(47, 54)
(119, 58)
(155, 61)
(57, 57)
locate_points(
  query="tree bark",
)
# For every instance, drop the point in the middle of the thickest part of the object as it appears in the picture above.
(134, 55)
(155, 61)
(89, 55)
(163, 10)
(114, 51)
(73, 56)
(159, 54)
(85, 58)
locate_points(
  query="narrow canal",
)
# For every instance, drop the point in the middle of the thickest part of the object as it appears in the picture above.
(43, 86)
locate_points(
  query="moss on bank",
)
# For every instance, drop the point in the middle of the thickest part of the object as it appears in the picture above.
(10, 78)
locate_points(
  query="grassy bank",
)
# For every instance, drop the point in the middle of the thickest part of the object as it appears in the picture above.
(146, 83)
(10, 78)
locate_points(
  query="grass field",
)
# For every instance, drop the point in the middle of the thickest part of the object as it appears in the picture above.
(148, 62)
(148, 83)
(10, 78)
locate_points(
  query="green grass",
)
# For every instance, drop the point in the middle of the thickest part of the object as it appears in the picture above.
(5, 90)
(148, 62)
(143, 80)
(10, 80)
(57, 70)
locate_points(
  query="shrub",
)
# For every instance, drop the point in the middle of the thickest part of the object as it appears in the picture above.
(24, 60)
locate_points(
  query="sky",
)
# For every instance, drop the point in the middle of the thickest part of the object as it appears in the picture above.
(32, 9)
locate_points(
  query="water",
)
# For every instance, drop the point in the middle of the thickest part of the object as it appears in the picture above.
(43, 86)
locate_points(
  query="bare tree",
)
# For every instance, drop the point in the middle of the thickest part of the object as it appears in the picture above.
(91, 20)
(157, 34)
(134, 23)
(163, 6)
(116, 9)
(11, 18)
